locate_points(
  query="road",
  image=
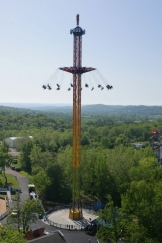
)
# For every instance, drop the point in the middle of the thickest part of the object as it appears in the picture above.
(70, 236)
(23, 183)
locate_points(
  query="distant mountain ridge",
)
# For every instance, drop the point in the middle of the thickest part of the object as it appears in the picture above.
(87, 110)
(31, 105)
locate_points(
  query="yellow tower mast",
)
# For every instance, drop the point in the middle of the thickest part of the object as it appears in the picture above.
(77, 70)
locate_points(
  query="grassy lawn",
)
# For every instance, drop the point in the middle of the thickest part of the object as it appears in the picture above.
(24, 173)
(18, 165)
(10, 179)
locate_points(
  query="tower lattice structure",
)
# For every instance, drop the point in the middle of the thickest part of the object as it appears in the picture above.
(77, 70)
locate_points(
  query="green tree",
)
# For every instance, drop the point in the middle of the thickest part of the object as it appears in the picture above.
(110, 217)
(11, 235)
(103, 179)
(25, 155)
(14, 217)
(144, 202)
(42, 182)
(35, 155)
(55, 174)
(144, 170)
(25, 214)
(29, 212)
(84, 140)
(5, 147)
(4, 161)
(39, 159)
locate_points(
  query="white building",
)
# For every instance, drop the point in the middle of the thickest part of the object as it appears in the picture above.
(14, 142)
(138, 146)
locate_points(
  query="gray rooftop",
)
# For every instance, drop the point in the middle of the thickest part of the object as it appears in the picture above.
(55, 237)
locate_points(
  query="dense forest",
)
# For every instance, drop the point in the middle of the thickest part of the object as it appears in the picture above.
(126, 179)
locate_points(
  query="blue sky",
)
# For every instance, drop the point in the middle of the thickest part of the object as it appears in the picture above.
(123, 41)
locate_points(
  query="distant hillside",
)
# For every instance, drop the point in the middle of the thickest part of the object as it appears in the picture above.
(125, 110)
(14, 110)
(87, 110)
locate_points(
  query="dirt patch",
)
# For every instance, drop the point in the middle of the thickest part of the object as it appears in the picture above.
(2, 206)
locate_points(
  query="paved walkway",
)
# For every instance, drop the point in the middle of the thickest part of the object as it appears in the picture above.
(13, 172)
(62, 217)
(23, 183)
(3, 207)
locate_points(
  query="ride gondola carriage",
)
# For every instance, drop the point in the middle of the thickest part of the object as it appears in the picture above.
(49, 87)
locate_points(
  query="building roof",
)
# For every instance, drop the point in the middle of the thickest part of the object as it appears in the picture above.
(14, 138)
(56, 237)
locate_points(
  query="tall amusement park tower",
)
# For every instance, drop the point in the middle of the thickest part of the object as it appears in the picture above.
(77, 70)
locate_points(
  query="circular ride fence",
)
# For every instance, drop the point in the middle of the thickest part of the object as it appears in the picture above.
(76, 226)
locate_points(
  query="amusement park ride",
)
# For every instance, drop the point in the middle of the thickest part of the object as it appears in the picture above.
(77, 70)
